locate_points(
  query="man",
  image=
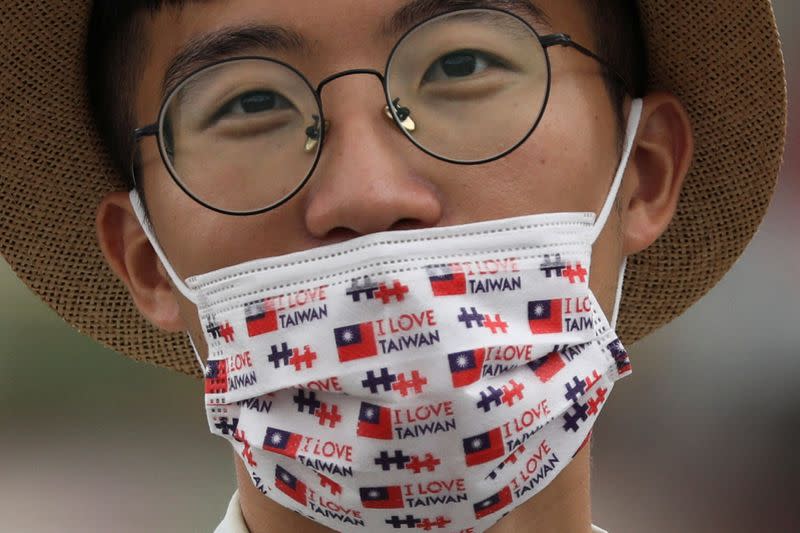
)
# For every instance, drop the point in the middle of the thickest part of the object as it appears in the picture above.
(544, 127)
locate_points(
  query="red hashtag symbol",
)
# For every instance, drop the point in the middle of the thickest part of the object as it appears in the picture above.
(307, 358)
(513, 393)
(496, 324)
(332, 417)
(238, 436)
(430, 463)
(441, 521)
(227, 332)
(325, 481)
(416, 382)
(574, 273)
(594, 404)
(397, 291)
(592, 380)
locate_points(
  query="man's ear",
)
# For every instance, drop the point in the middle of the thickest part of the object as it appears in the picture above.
(133, 260)
(660, 160)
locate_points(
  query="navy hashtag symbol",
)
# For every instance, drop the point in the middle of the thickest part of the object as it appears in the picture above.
(553, 268)
(311, 403)
(397, 523)
(226, 427)
(280, 356)
(469, 318)
(571, 420)
(385, 380)
(489, 397)
(399, 460)
(573, 393)
(366, 288)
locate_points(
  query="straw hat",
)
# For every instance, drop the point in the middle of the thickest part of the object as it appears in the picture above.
(722, 58)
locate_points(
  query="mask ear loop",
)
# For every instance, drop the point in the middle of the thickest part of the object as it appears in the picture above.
(138, 209)
(634, 118)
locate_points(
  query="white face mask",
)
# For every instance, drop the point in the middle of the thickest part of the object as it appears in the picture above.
(432, 379)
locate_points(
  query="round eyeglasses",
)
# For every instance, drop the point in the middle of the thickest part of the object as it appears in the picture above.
(243, 136)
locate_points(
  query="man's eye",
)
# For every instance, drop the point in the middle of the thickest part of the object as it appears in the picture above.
(460, 64)
(254, 102)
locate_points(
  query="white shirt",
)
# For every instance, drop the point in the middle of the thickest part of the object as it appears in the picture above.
(234, 521)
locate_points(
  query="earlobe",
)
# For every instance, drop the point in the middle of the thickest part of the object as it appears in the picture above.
(660, 161)
(132, 258)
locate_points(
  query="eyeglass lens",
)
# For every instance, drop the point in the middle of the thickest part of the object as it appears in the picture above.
(466, 87)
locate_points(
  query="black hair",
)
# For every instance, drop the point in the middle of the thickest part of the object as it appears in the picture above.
(117, 46)
(619, 39)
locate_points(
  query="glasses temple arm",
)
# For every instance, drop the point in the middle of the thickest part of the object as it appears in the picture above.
(562, 39)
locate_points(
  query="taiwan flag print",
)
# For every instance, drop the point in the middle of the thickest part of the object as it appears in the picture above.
(355, 342)
(374, 422)
(466, 367)
(261, 318)
(547, 367)
(493, 503)
(447, 280)
(282, 442)
(290, 485)
(545, 316)
(382, 497)
(483, 448)
(216, 381)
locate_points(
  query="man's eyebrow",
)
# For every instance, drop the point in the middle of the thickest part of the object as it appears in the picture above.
(228, 42)
(419, 10)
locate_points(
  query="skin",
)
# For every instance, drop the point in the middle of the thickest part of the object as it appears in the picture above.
(371, 179)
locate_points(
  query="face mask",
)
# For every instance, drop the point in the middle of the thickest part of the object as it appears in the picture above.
(432, 379)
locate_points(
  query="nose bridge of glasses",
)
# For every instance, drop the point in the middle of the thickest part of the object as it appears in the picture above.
(351, 72)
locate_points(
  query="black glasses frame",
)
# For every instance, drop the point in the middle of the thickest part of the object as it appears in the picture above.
(546, 41)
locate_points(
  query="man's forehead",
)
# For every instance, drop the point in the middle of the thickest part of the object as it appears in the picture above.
(208, 31)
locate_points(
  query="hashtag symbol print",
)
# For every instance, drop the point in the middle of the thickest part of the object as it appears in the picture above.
(416, 383)
(226, 427)
(495, 325)
(429, 463)
(311, 403)
(440, 523)
(592, 380)
(553, 268)
(595, 403)
(398, 292)
(385, 380)
(280, 356)
(247, 453)
(571, 420)
(512, 392)
(227, 332)
(489, 398)
(472, 317)
(573, 393)
(306, 358)
(575, 274)
(397, 523)
(331, 417)
(364, 288)
(510, 460)
(325, 481)
(385, 461)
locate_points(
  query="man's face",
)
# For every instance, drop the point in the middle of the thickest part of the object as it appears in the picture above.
(370, 178)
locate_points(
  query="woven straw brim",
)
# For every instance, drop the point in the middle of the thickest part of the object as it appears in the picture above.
(722, 58)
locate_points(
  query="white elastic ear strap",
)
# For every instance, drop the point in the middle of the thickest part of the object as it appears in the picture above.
(630, 136)
(138, 208)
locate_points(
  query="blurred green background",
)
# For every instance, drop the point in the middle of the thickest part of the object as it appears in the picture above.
(701, 438)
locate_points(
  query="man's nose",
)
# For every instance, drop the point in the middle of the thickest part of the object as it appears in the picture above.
(366, 181)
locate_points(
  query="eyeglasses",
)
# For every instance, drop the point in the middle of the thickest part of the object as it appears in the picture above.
(243, 136)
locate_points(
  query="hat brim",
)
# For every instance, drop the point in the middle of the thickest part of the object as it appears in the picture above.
(722, 59)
